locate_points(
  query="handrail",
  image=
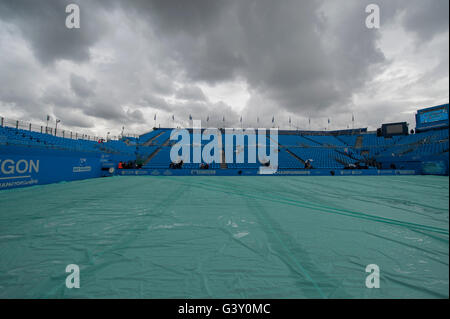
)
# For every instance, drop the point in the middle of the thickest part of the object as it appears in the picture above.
(59, 132)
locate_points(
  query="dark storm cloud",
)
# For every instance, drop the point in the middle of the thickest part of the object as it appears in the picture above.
(77, 103)
(198, 34)
(286, 50)
(307, 57)
(73, 118)
(17, 83)
(190, 92)
(194, 104)
(60, 97)
(113, 113)
(155, 103)
(105, 111)
(277, 47)
(135, 116)
(427, 18)
(42, 23)
(174, 17)
(81, 86)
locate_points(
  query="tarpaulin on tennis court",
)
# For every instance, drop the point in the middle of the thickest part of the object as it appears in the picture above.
(227, 237)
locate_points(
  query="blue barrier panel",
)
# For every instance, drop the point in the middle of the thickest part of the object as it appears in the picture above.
(22, 166)
(256, 172)
(435, 168)
(25, 166)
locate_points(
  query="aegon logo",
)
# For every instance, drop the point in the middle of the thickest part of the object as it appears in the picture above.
(9, 166)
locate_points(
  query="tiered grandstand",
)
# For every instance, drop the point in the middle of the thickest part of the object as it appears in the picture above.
(424, 151)
(326, 150)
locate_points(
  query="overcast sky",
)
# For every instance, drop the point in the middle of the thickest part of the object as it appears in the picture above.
(130, 60)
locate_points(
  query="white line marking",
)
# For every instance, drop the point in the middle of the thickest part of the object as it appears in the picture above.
(15, 177)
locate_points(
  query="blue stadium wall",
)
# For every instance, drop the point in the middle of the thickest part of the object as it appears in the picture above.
(256, 172)
(426, 165)
(23, 166)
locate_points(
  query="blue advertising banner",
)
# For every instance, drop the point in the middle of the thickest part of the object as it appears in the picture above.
(22, 166)
(256, 172)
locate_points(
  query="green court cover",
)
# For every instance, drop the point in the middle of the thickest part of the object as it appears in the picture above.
(227, 237)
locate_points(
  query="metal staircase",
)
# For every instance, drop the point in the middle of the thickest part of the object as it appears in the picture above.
(359, 142)
(153, 138)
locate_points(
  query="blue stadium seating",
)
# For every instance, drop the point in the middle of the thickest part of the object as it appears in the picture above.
(325, 150)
